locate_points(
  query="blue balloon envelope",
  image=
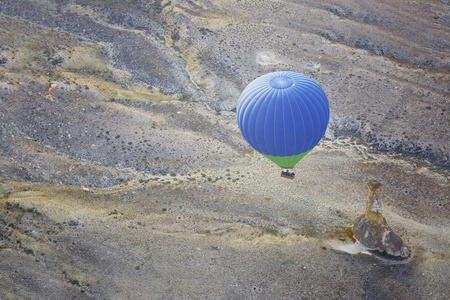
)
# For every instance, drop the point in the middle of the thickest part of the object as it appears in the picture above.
(283, 115)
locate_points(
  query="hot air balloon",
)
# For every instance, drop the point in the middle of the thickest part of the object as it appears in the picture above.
(283, 115)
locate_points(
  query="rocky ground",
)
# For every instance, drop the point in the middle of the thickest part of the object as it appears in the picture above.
(123, 174)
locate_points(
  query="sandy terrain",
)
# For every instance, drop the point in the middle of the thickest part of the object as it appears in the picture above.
(123, 173)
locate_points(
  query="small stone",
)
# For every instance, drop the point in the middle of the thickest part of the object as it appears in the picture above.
(52, 87)
(72, 223)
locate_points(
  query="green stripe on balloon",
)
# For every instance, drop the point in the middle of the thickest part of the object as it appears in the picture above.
(287, 162)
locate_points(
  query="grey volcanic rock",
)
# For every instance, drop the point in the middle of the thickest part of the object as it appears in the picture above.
(372, 230)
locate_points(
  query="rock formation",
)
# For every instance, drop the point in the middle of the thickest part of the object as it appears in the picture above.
(372, 230)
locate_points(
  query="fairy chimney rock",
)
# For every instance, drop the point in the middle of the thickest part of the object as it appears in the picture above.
(373, 205)
(372, 230)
